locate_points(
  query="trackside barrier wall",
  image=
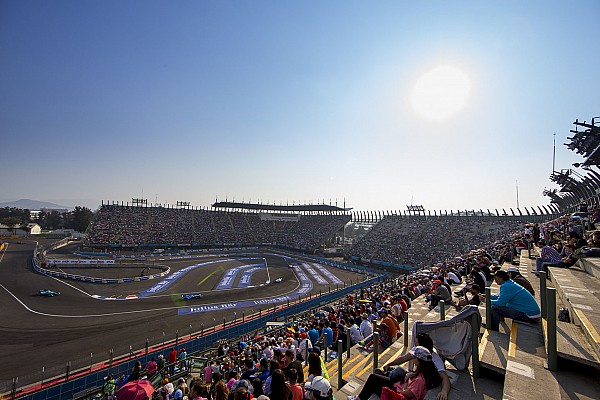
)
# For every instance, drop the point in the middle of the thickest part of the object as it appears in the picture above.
(211, 335)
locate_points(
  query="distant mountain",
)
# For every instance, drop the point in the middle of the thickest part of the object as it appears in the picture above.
(32, 204)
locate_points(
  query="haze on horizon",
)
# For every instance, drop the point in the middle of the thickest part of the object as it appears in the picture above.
(293, 102)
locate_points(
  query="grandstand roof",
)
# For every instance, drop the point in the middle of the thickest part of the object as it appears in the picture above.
(273, 207)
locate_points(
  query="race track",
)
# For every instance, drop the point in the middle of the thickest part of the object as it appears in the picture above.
(89, 319)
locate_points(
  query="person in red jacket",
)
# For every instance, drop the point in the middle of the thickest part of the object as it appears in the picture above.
(172, 360)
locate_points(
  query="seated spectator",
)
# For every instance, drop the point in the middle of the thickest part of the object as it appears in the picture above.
(566, 262)
(319, 389)
(547, 254)
(475, 300)
(279, 389)
(415, 384)
(151, 367)
(514, 301)
(439, 292)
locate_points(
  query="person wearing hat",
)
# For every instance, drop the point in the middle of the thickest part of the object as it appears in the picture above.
(414, 385)
(516, 276)
(304, 347)
(319, 389)
(513, 301)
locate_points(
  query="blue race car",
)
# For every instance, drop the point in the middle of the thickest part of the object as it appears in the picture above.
(191, 296)
(48, 293)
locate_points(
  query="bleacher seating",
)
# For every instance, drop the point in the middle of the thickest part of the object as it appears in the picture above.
(128, 225)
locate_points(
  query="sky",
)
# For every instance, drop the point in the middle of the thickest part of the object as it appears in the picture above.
(291, 102)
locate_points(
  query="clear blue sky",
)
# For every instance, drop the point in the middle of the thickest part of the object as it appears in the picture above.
(290, 101)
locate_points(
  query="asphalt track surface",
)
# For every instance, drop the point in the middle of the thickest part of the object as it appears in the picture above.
(39, 331)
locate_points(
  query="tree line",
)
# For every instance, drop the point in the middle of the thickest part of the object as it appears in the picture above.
(78, 219)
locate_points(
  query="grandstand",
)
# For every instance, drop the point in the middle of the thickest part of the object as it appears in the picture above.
(299, 228)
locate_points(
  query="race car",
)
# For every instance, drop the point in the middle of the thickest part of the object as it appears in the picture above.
(48, 293)
(278, 280)
(191, 296)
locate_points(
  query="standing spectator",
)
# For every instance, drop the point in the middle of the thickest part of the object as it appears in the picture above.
(292, 363)
(297, 392)
(172, 360)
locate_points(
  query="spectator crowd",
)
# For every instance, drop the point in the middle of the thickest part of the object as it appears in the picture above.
(133, 225)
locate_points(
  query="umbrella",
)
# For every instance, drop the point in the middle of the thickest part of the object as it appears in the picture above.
(136, 390)
(364, 301)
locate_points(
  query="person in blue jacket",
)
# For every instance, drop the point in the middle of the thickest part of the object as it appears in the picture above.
(514, 301)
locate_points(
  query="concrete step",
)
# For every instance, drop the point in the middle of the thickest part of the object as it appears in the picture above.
(580, 292)
(591, 266)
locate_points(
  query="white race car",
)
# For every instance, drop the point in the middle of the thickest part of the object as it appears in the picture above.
(278, 280)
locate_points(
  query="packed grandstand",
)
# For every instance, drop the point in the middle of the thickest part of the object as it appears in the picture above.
(414, 241)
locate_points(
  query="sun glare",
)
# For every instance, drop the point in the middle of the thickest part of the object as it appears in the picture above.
(440, 93)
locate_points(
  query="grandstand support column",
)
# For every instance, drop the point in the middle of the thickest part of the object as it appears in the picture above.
(551, 355)
(339, 359)
(543, 299)
(375, 351)
(406, 328)
(348, 345)
(488, 307)
(475, 346)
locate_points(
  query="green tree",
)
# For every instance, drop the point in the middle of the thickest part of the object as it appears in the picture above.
(81, 218)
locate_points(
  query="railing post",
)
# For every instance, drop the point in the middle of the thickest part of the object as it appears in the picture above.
(348, 343)
(543, 300)
(91, 360)
(552, 360)
(475, 346)
(43, 370)
(406, 328)
(306, 352)
(68, 371)
(325, 351)
(110, 359)
(375, 351)
(442, 310)
(339, 357)
(243, 317)
(488, 307)
(14, 388)
(147, 345)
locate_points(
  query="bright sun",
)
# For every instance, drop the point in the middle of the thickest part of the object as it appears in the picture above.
(440, 93)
